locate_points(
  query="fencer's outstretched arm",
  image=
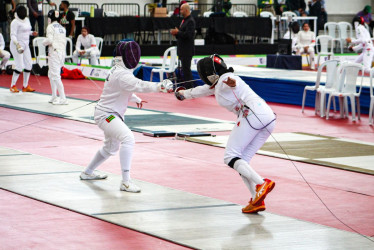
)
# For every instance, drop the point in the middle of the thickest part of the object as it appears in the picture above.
(128, 82)
(197, 92)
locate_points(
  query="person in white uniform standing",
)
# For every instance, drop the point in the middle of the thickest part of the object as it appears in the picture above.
(363, 42)
(253, 126)
(56, 42)
(4, 55)
(20, 32)
(306, 40)
(109, 113)
(89, 50)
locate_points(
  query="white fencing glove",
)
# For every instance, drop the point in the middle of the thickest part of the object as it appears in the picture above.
(19, 48)
(165, 86)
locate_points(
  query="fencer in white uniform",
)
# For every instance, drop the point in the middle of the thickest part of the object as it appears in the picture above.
(89, 50)
(4, 55)
(306, 40)
(20, 32)
(109, 113)
(56, 42)
(253, 126)
(362, 42)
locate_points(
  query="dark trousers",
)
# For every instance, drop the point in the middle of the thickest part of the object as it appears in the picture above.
(40, 20)
(186, 71)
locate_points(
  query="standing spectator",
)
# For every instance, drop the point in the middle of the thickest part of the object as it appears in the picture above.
(56, 42)
(4, 55)
(36, 14)
(280, 6)
(297, 6)
(185, 43)
(3, 17)
(366, 14)
(89, 50)
(316, 10)
(324, 12)
(67, 19)
(306, 40)
(20, 32)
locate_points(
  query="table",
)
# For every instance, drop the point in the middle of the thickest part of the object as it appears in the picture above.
(284, 62)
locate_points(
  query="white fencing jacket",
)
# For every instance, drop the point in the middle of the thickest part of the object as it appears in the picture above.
(56, 37)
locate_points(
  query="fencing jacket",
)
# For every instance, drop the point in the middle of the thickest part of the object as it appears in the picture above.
(119, 88)
(88, 42)
(56, 37)
(232, 98)
(306, 38)
(363, 39)
(20, 31)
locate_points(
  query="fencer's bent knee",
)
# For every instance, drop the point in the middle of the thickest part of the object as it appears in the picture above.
(231, 161)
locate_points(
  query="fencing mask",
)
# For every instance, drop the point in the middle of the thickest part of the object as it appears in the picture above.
(211, 68)
(130, 53)
(53, 15)
(21, 12)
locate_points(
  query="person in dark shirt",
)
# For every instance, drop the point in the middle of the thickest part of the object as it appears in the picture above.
(67, 19)
(36, 14)
(297, 6)
(4, 19)
(315, 9)
(185, 35)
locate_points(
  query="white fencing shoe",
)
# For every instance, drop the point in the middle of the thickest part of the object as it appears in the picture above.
(60, 102)
(52, 100)
(92, 176)
(130, 186)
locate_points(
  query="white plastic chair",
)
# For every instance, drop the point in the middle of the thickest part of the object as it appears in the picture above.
(38, 43)
(69, 52)
(371, 109)
(207, 13)
(331, 29)
(239, 14)
(167, 67)
(267, 14)
(289, 13)
(99, 46)
(324, 46)
(331, 69)
(345, 31)
(348, 77)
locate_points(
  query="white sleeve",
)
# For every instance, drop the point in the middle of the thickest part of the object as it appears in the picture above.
(135, 98)
(361, 37)
(79, 44)
(13, 31)
(313, 40)
(2, 43)
(132, 84)
(49, 38)
(92, 43)
(198, 91)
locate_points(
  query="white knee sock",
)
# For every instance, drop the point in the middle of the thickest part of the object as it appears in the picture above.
(95, 162)
(26, 77)
(250, 185)
(245, 170)
(14, 78)
(53, 88)
(125, 157)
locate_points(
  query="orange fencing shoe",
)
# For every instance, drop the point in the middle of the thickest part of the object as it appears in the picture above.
(250, 208)
(14, 89)
(28, 89)
(262, 190)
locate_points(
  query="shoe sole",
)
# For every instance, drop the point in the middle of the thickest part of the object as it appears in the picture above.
(129, 190)
(254, 210)
(263, 196)
(83, 179)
